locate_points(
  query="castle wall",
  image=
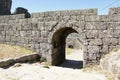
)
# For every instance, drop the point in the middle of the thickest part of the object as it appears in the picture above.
(98, 33)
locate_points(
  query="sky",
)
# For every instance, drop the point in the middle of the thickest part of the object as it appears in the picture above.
(52, 5)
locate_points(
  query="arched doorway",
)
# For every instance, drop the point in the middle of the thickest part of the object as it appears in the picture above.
(59, 44)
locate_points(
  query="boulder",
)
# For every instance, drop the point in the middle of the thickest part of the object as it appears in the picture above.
(111, 63)
(21, 10)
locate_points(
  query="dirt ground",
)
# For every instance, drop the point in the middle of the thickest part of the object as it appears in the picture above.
(39, 72)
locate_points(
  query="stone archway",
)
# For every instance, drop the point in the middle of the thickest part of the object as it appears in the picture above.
(58, 44)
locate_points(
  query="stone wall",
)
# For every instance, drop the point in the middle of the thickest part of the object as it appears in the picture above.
(41, 33)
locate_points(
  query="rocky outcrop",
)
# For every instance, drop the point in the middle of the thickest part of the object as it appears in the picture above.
(5, 7)
(22, 59)
(111, 63)
(21, 10)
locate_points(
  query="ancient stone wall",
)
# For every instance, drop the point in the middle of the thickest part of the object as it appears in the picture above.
(98, 33)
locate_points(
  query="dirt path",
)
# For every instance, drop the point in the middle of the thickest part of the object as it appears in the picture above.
(74, 60)
(38, 72)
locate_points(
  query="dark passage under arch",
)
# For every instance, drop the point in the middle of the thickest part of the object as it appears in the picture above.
(59, 45)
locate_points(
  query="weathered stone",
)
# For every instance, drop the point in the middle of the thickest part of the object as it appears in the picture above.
(8, 38)
(104, 49)
(95, 42)
(41, 26)
(116, 33)
(6, 63)
(93, 49)
(96, 25)
(92, 34)
(46, 32)
(50, 25)
(110, 41)
(111, 62)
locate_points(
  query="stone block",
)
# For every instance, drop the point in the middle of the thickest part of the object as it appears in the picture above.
(92, 18)
(41, 26)
(116, 33)
(36, 15)
(106, 33)
(95, 42)
(22, 33)
(92, 34)
(64, 18)
(13, 39)
(11, 33)
(78, 24)
(110, 41)
(44, 33)
(1, 27)
(16, 33)
(26, 26)
(23, 21)
(80, 17)
(34, 26)
(96, 26)
(92, 56)
(41, 39)
(50, 25)
(104, 49)
(37, 46)
(7, 38)
(93, 49)
(2, 33)
(111, 48)
(119, 41)
(2, 38)
(43, 46)
(35, 34)
(7, 27)
(114, 10)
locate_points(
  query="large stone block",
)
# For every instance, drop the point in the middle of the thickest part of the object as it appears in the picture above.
(104, 49)
(114, 10)
(44, 33)
(92, 18)
(116, 33)
(106, 33)
(2, 38)
(96, 25)
(95, 42)
(93, 49)
(110, 41)
(50, 25)
(41, 26)
(92, 34)
(1, 27)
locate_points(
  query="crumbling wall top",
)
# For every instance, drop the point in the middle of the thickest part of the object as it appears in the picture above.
(115, 10)
(65, 13)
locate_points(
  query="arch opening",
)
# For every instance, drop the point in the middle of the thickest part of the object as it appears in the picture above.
(59, 45)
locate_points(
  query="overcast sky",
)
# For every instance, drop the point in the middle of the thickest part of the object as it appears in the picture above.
(52, 5)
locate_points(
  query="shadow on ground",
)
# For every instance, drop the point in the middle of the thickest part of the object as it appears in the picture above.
(72, 64)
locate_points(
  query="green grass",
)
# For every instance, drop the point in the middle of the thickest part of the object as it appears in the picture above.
(10, 51)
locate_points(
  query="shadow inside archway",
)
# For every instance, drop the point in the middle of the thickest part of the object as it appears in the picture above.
(72, 64)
